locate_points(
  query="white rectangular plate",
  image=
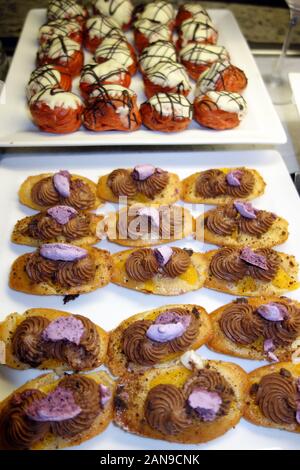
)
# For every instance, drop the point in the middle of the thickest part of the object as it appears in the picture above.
(112, 304)
(295, 85)
(261, 124)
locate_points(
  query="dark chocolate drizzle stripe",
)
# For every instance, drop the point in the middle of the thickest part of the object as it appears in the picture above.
(162, 5)
(197, 26)
(213, 75)
(90, 71)
(235, 97)
(62, 45)
(172, 99)
(46, 72)
(159, 50)
(107, 51)
(193, 53)
(63, 9)
(152, 28)
(52, 91)
(101, 23)
(113, 7)
(167, 68)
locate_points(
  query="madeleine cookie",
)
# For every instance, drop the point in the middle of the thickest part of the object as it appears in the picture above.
(257, 328)
(177, 404)
(162, 271)
(250, 272)
(240, 224)
(40, 192)
(160, 335)
(61, 269)
(51, 339)
(140, 225)
(52, 413)
(58, 224)
(144, 184)
(222, 186)
(273, 397)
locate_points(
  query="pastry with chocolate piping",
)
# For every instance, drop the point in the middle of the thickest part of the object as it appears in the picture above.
(48, 76)
(197, 30)
(68, 28)
(190, 10)
(163, 270)
(191, 403)
(167, 112)
(221, 186)
(199, 57)
(62, 51)
(147, 32)
(273, 397)
(50, 413)
(61, 269)
(253, 273)
(158, 11)
(257, 328)
(118, 49)
(157, 336)
(43, 338)
(166, 77)
(154, 53)
(66, 10)
(118, 10)
(221, 76)
(98, 28)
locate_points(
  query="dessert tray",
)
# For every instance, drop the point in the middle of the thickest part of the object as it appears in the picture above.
(260, 126)
(112, 304)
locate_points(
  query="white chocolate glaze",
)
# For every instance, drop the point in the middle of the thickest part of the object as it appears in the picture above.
(111, 91)
(171, 104)
(195, 9)
(42, 77)
(159, 11)
(153, 31)
(169, 74)
(198, 29)
(102, 26)
(57, 98)
(114, 48)
(59, 28)
(64, 9)
(209, 78)
(229, 102)
(119, 10)
(153, 54)
(205, 54)
(95, 73)
(60, 47)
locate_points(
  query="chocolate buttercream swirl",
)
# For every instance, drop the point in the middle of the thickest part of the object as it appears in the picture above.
(141, 265)
(121, 183)
(227, 265)
(154, 184)
(284, 332)
(246, 185)
(40, 269)
(17, 431)
(165, 410)
(240, 323)
(75, 273)
(44, 227)
(44, 193)
(27, 343)
(276, 398)
(211, 183)
(258, 226)
(178, 263)
(222, 221)
(87, 396)
(272, 260)
(77, 227)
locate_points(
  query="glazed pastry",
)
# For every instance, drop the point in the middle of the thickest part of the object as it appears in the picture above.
(166, 77)
(198, 57)
(144, 183)
(148, 32)
(107, 73)
(140, 225)
(156, 336)
(155, 53)
(222, 186)
(197, 30)
(59, 224)
(99, 28)
(68, 28)
(50, 189)
(50, 339)
(257, 328)
(112, 107)
(66, 10)
(248, 272)
(161, 271)
(220, 110)
(158, 11)
(64, 52)
(221, 76)
(61, 269)
(57, 111)
(119, 50)
(119, 10)
(191, 403)
(240, 224)
(188, 11)
(50, 413)
(273, 397)
(167, 112)
(48, 76)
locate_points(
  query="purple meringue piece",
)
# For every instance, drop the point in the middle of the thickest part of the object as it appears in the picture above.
(64, 328)
(233, 178)
(273, 311)
(61, 182)
(56, 406)
(163, 254)
(273, 357)
(62, 214)
(142, 172)
(245, 209)
(253, 258)
(105, 395)
(206, 404)
(165, 332)
(173, 317)
(62, 252)
(298, 416)
(268, 345)
(151, 213)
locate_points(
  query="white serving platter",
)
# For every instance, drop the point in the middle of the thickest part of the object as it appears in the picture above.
(261, 125)
(295, 85)
(112, 304)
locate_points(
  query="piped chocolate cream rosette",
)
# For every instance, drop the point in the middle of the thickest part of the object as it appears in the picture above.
(61, 269)
(157, 336)
(140, 225)
(190, 403)
(47, 413)
(162, 271)
(144, 183)
(62, 188)
(222, 186)
(240, 224)
(258, 328)
(274, 397)
(51, 339)
(250, 272)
